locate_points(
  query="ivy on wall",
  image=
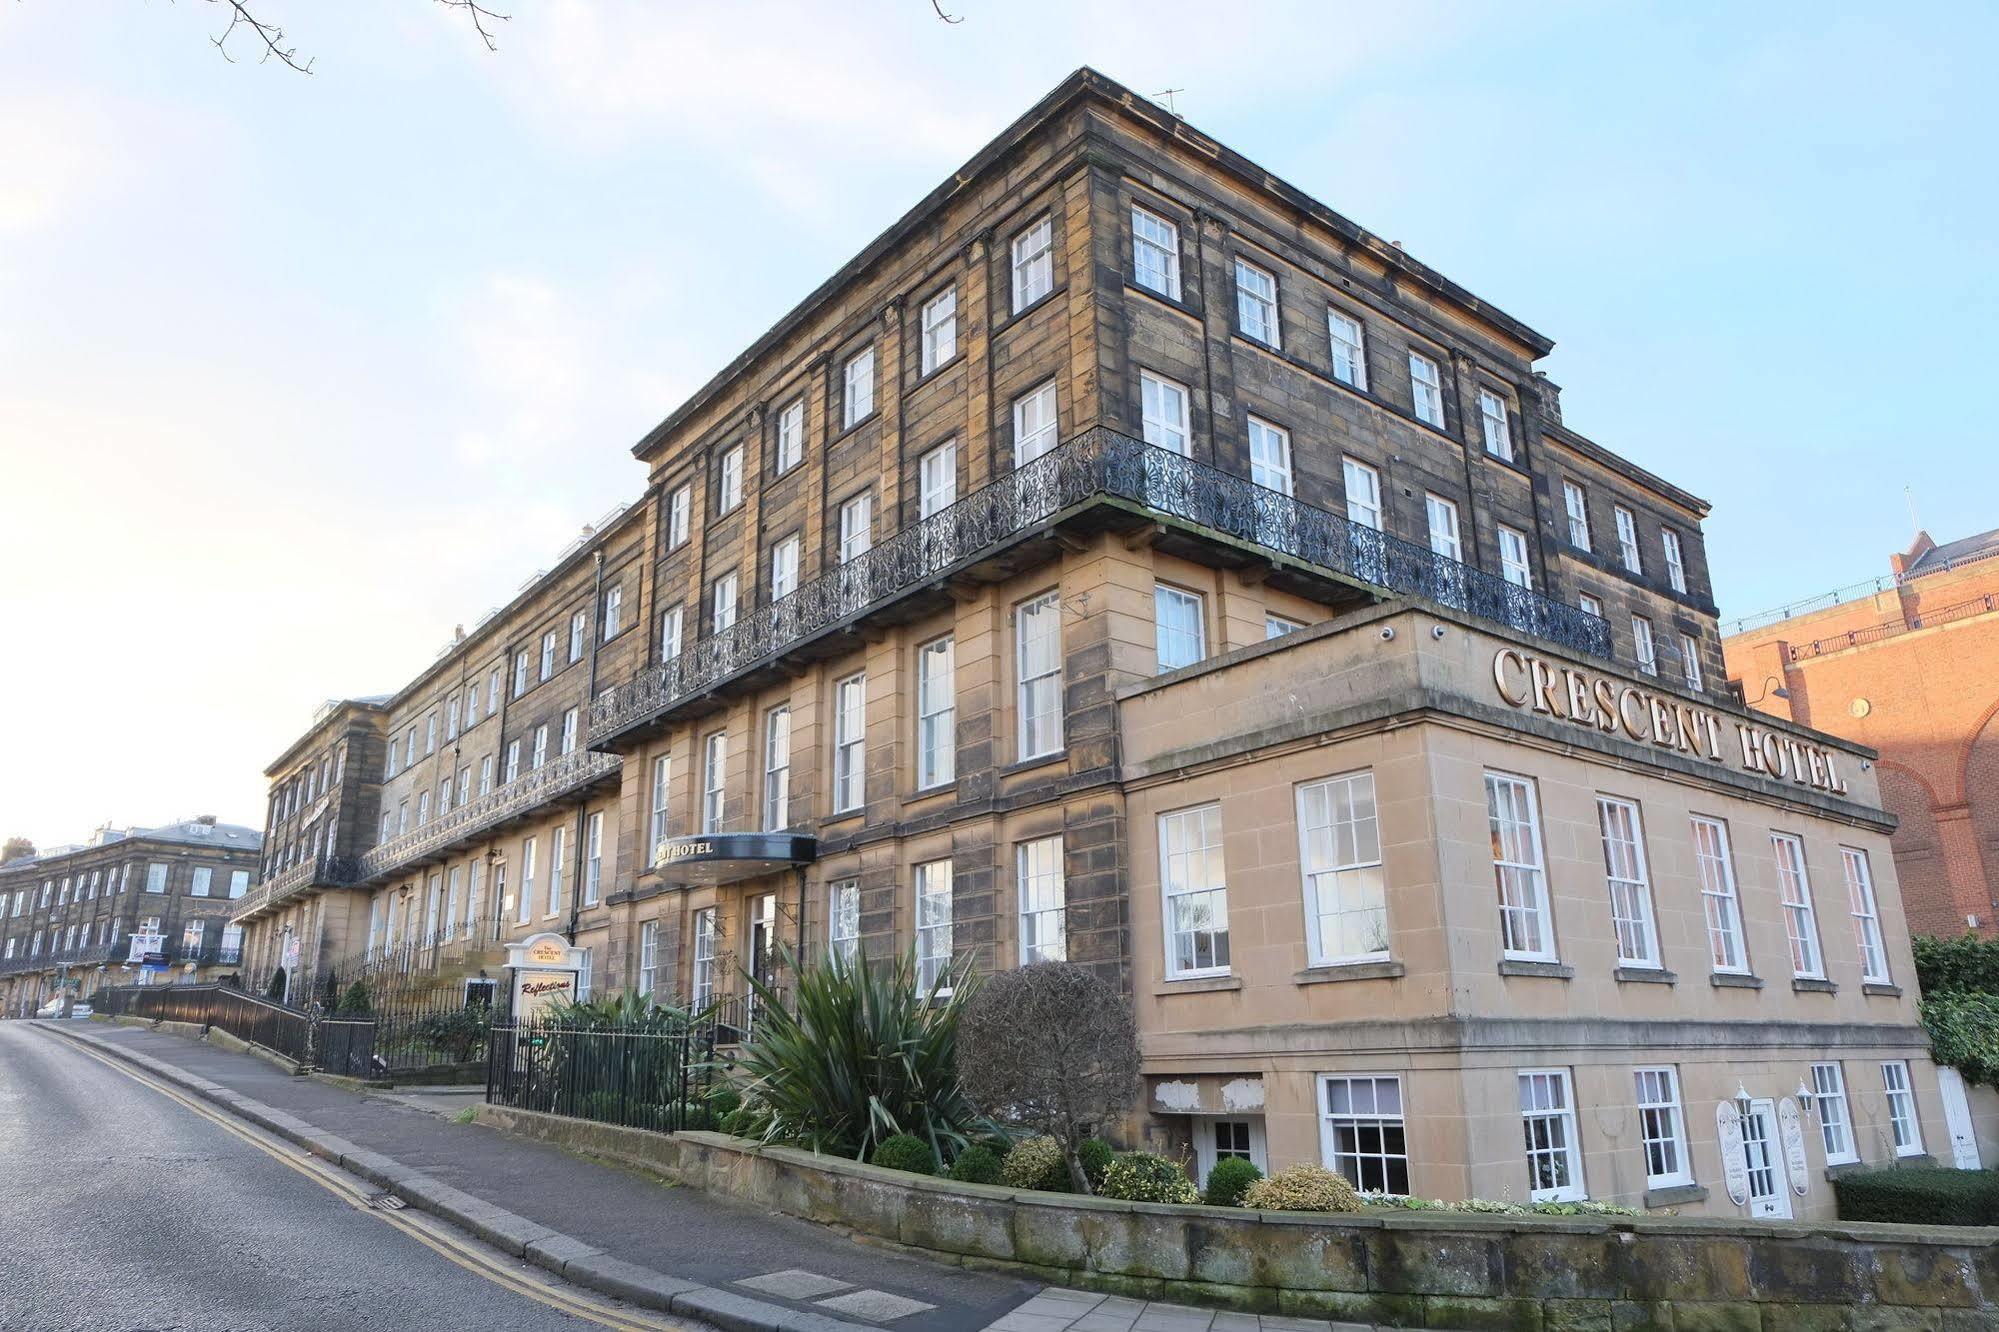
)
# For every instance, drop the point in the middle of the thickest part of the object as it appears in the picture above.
(1960, 1008)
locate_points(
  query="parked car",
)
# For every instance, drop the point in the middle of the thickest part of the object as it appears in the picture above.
(53, 1008)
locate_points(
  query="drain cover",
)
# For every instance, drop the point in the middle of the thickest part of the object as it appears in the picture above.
(388, 1202)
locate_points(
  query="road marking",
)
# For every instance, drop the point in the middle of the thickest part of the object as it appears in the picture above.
(429, 1231)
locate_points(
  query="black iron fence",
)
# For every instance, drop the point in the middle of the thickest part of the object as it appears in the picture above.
(639, 1077)
(211, 1005)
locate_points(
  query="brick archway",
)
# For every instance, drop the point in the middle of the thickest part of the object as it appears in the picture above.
(1978, 780)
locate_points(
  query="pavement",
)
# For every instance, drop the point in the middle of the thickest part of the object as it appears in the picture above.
(619, 1232)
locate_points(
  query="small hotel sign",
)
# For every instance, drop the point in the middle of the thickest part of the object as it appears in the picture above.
(1611, 706)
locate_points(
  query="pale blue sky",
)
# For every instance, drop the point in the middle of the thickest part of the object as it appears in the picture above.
(349, 357)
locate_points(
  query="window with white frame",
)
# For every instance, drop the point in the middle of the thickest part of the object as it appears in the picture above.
(1627, 538)
(1276, 626)
(202, 878)
(593, 859)
(936, 713)
(513, 760)
(648, 956)
(524, 908)
(857, 401)
(784, 568)
(577, 625)
(722, 602)
(190, 939)
(540, 746)
(1866, 918)
(614, 608)
(1690, 662)
(1442, 515)
(1514, 565)
(940, 329)
(729, 489)
(1155, 253)
(1163, 409)
(239, 883)
(1676, 564)
(451, 881)
(1256, 303)
(493, 692)
(850, 706)
(1426, 390)
(1548, 1117)
(1269, 456)
(1584, 601)
(156, 878)
(857, 532)
(1834, 1117)
(1363, 485)
(662, 769)
(777, 768)
(933, 926)
(1662, 1128)
(409, 748)
(679, 511)
(1194, 885)
(450, 713)
(558, 870)
(1037, 635)
(569, 725)
(1034, 424)
(430, 731)
(790, 448)
(1043, 897)
(547, 664)
(1339, 853)
(1526, 929)
(485, 774)
(843, 919)
(669, 633)
(1349, 349)
(1179, 627)
(1643, 648)
(471, 709)
(1033, 264)
(1493, 425)
(704, 957)
(1901, 1094)
(1794, 889)
(1576, 503)
(1362, 1134)
(937, 479)
(1628, 878)
(714, 780)
(1719, 904)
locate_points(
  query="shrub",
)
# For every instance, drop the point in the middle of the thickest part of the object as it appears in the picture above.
(1966, 964)
(976, 1165)
(1036, 1163)
(724, 1100)
(275, 990)
(696, 1115)
(861, 1053)
(1303, 1188)
(745, 1121)
(1229, 1180)
(1964, 1033)
(1143, 1177)
(1921, 1197)
(905, 1152)
(355, 1002)
(1096, 1156)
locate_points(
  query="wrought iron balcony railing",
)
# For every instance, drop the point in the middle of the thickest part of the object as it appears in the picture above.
(557, 777)
(1098, 465)
(321, 871)
(88, 955)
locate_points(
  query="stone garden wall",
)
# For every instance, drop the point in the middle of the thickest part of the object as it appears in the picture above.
(1405, 1269)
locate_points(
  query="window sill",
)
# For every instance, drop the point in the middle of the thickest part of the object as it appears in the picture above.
(1384, 969)
(847, 430)
(1835, 1169)
(1723, 980)
(1014, 316)
(1876, 987)
(1646, 975)
(927, 376)
(1915, 1161)
(1545, 970)
(1198, 985)
(1675, 1194)
(1813, 985)
(1171, 302)
(1039, 761)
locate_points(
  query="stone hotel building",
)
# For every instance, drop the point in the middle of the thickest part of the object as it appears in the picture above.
(1127, 559)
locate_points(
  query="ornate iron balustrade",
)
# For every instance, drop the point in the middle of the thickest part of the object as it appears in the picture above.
(578, 768)
(321, 871)
(89, 955)
(1097, 465)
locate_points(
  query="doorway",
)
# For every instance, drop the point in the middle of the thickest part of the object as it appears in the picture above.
(1957, 1118)
(1217, 1139)
(1769, 1191)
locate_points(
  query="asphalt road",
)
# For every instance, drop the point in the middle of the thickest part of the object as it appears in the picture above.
(125, 1210)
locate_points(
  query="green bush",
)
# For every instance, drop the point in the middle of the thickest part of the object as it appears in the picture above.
(1036, 1163)
(696, 1116)
(1229, 1180)
(745, 1121)
(1096, 1156)
(976, 1165)
(355, 1002)
(1143, 1177)
(1967, 964)
(907, 1152)
(1964, 1033)
(1920, 1197)
(724, 1100)
(1303, 1188)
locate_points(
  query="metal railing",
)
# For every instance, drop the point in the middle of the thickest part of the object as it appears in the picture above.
(528, 791)
(1874, 633)
(89, 956)
(321, 871)
(246, 1017)
(1851, 592)
(1095, 466)
(636, 1077)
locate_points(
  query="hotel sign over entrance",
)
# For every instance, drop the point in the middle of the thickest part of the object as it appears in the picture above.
(1614, 707)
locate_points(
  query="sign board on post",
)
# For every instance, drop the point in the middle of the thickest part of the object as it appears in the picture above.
(545, 968)
(1791, 1128)
(1734, 1166)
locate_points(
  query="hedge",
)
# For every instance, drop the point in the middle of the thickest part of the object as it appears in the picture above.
(1920, 1197)
(1966, 964)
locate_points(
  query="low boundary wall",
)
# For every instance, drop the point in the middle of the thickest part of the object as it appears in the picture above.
(1405, 1269)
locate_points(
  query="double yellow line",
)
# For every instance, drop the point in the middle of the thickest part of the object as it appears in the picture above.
(427, 1231)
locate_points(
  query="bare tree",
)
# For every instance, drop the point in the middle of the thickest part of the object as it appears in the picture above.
(16, 848)
(269, 38)
(1054, 1046)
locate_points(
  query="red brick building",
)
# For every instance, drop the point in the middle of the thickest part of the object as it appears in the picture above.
(1908, 665)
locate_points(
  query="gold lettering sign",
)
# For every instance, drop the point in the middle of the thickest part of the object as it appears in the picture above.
(674, 852)
(547, 952)
(1554, 690)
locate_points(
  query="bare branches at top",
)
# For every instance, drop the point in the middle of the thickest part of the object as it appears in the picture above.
(272, 37)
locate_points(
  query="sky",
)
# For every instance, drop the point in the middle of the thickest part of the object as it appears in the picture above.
(297, 372)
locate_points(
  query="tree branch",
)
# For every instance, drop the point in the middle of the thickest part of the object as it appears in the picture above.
(480, 16)
(938, 5)
(273, 37)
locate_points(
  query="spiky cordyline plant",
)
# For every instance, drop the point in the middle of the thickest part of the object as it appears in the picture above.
(626, 1009)
(864, 1053)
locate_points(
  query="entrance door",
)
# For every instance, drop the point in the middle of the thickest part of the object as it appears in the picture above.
(1957, 1118)
(762, 943)
(1769, 1196)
